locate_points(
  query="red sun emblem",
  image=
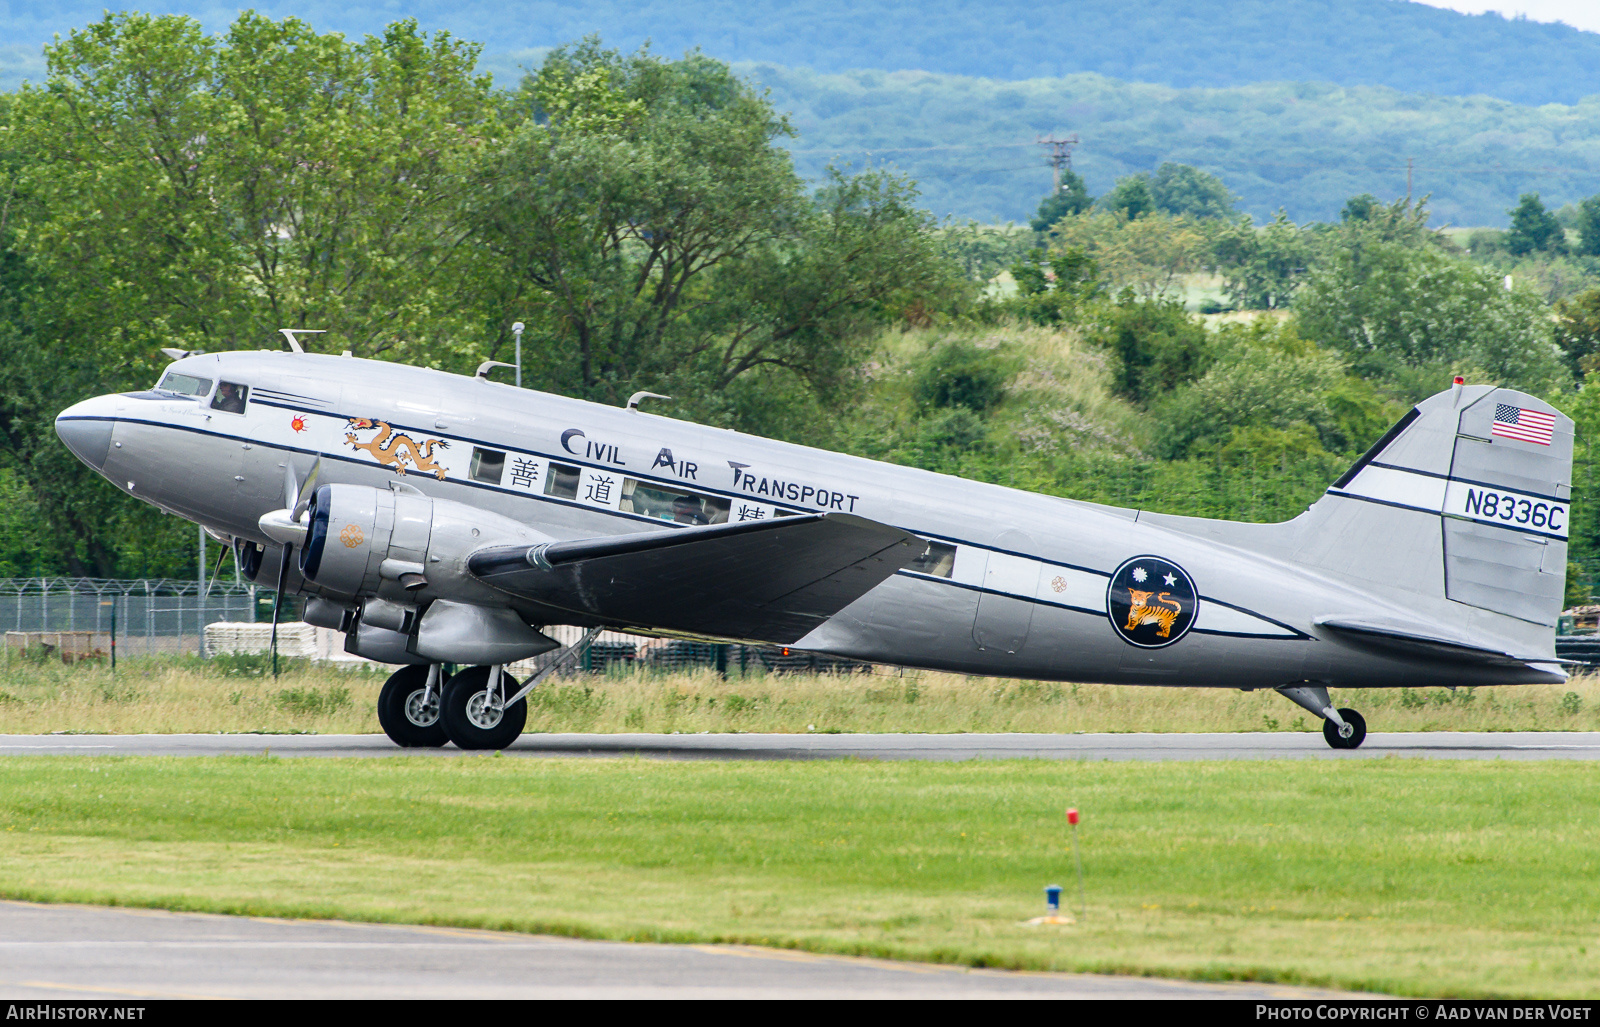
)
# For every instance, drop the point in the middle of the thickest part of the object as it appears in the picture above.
(298, 423)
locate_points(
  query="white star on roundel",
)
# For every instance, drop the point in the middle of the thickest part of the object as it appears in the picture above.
(1139, 575)
(1170, 580)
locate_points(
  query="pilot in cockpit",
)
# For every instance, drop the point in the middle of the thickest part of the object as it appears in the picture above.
(688, 510)
(229, 398)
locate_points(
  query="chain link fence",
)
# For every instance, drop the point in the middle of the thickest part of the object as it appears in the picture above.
(85, 617)
(90, 618)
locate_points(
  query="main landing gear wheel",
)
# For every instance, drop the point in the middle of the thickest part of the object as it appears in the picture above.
(409, 717)
(1358, 731)
(476, 720)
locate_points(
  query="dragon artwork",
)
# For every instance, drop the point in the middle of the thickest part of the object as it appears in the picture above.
(400, 450)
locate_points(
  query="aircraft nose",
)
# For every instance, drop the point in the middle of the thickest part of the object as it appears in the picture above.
(86, 429)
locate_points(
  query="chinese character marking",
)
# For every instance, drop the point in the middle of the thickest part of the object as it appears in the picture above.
(750, 513)
(524, 472)
(599, 490)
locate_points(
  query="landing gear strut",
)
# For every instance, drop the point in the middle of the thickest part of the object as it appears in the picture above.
(1343, 729)
(474, 710)
(408, 707)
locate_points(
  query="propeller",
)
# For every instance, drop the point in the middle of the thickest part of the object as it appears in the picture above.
(296, 497)
(215, 570)
(299, 500)
(277, 603)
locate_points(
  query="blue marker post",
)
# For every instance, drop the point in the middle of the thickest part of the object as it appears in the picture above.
(1052, 905)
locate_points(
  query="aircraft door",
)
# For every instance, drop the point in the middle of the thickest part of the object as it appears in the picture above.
(1005, 608)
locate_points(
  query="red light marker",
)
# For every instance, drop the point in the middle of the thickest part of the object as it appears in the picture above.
(1072, 816)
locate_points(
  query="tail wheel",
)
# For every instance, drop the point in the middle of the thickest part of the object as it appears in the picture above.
(409, 717)
(473, 718)
(1358, 733)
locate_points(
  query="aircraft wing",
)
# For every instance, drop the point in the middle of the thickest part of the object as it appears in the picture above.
(769, 581)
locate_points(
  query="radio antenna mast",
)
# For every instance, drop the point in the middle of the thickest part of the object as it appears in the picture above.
(290, 333)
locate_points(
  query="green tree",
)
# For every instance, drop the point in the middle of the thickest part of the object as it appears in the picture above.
(1267, 377)
(1053, 290)
(960, 374)
(1188, 191)
(202, 191)
(1578, 331)
(1360, 208)
(664, 239)
(1588, 226)
(1391, 306)
(1533, 228)
(1262, 268)
(1072, 198)
(1146, 254)
(170, 188)
(1129, 197)
(1157, 346)
(983, 251)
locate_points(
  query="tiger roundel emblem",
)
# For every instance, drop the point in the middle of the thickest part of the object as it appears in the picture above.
(1151, 602)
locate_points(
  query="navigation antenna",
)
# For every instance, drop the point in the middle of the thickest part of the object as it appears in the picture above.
(635, 399)
(290, 333)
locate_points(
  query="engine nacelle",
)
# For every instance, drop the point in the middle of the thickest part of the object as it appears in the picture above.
(259, 564)
(401, 546)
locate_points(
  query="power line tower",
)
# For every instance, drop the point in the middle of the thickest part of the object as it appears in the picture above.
(1060, 156)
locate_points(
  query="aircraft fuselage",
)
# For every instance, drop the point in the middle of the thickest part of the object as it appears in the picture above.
(1016, 584)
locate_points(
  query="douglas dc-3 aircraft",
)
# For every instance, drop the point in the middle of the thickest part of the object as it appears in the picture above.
(438, 519)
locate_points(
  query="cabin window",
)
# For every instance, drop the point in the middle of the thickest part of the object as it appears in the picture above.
(488, 465)
(666, 503)
(939, 560)
(563, 481)
(230, 397)
(184, 384)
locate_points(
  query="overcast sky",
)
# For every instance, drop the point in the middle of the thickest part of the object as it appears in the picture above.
(1583, 14)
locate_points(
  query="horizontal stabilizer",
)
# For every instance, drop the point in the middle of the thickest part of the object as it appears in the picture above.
(768, 581)
(1425, 643)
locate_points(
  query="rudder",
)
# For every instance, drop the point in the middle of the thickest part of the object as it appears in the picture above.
(1493, 468)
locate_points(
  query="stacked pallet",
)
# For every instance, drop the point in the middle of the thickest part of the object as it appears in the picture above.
(296, 639)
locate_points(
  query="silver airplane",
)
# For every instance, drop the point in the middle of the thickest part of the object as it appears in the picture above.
(439, 520)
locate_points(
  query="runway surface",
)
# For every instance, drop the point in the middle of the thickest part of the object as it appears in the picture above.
(114, 955)
(1524, 745)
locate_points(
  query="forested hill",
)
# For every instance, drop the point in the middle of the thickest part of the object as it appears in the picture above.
(1406, 46)
(970, 143)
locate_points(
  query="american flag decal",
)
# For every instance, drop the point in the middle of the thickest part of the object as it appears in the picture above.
(1523, 425)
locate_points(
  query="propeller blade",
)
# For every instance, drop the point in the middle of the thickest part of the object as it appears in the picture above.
(217, 569)
(277, 604)
(302, 499)
(291, 487)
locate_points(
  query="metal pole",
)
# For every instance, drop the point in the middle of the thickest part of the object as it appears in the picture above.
(1072, 818)
(516, 330)
(200, 595)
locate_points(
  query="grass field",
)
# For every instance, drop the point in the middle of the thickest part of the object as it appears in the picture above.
(1408, 877)
(188, 695)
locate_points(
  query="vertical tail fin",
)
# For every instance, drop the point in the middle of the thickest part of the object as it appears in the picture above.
(1467, 498)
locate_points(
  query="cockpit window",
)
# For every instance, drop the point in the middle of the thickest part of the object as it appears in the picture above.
(184, 384)
(230, 397)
